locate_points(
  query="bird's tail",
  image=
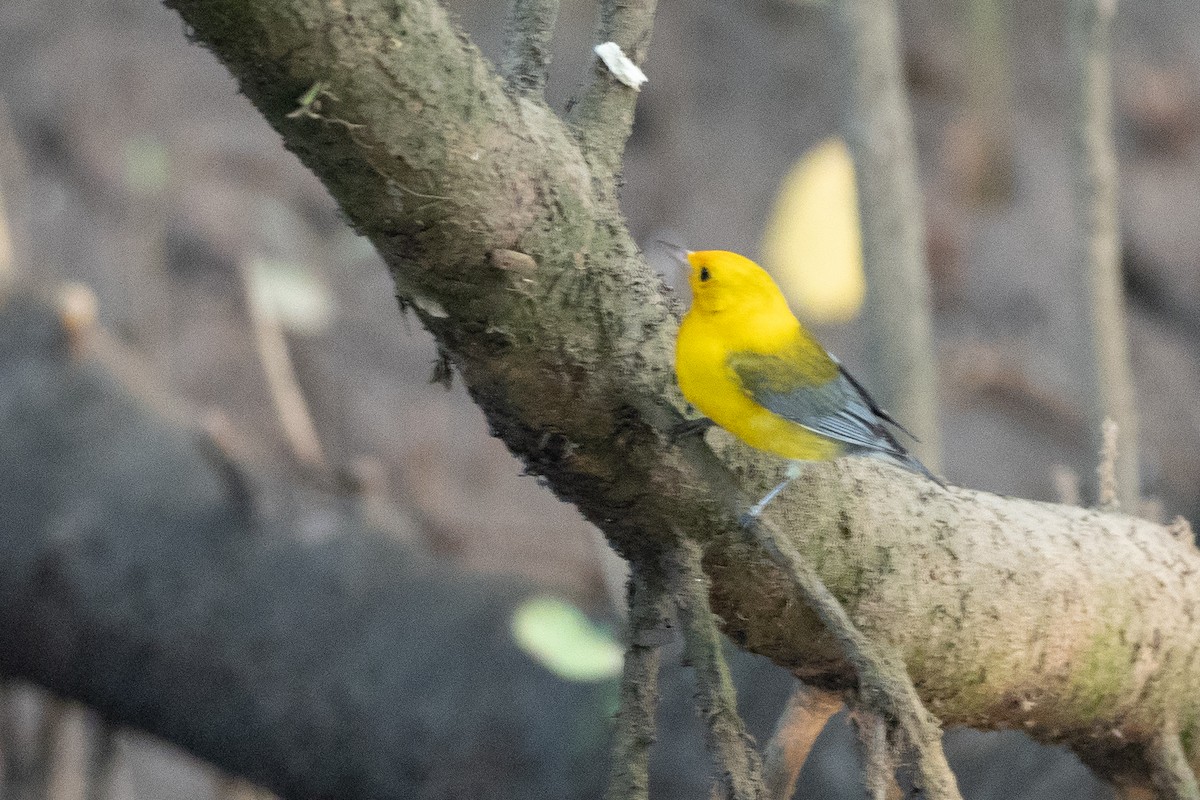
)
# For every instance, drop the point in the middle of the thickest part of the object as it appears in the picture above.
(913, 463)
(895, 453)
(903, 458)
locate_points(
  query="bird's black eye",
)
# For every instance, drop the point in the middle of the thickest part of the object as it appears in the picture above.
(704, 274)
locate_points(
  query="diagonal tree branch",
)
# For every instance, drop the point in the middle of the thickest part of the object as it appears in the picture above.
(878, 755)
(739, 768)
(883, 682)
(570, 358)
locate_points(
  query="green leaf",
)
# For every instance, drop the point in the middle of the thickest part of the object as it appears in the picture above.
(147, 165)
(561, 638)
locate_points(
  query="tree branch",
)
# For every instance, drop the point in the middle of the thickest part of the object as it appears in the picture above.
(1062, 621)
(604, 117)
(805, 715)
(883, 682)
(279, 372)
(649, 611)
(896, 310)
(1094, 164)
(879, 757)
(527, 51)
(737, 762)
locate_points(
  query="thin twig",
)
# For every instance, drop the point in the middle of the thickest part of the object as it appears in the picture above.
(884, 685)
(530, 29)
(879, 132)
(280, 374)
(730, 745)
(1094, 163)
(649, 615)
(1108, 494)
(879, 758)
(805, 715)
(603, 119)
(78, 313)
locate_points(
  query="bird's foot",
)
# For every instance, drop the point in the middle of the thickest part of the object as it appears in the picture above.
(688, 428)
(748, 519)
(794, 470)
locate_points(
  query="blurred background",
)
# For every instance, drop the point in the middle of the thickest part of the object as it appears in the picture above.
(224, 278)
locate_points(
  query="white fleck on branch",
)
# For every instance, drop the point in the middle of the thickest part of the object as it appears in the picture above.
(621, 65)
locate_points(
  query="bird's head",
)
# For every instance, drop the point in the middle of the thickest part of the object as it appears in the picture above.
(721, 281)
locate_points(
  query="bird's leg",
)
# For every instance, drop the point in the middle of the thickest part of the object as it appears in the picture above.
(690, 427)
(793, 471)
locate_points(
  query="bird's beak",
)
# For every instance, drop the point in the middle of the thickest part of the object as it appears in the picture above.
(680, 254)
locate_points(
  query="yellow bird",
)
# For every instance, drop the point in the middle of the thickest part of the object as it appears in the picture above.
(745, 361)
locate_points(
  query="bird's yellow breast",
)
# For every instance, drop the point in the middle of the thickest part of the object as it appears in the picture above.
(702, 351)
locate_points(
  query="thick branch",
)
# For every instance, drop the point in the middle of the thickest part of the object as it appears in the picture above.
(1110, 385)
(1062, 621)
(883, 682)
(879, 132)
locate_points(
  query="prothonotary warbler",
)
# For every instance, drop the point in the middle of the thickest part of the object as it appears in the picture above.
(745, 361)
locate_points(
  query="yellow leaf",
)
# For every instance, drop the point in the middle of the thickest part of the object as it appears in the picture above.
(813, 244)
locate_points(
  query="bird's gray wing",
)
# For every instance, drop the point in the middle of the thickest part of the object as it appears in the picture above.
(838, 408)
(835, 408)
